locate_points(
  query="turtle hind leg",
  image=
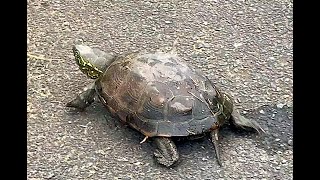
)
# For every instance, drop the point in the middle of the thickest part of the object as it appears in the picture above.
(166, 153)
(241, 122)
(84, 99)
(215, 141)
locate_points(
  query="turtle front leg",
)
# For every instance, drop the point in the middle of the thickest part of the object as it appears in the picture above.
(167, 153)
(241, 122)
(84, 99)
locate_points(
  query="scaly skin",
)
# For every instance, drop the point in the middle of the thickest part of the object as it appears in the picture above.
(167, 153)
(84, 99)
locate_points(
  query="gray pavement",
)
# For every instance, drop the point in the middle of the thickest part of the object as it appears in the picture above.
(244, 46)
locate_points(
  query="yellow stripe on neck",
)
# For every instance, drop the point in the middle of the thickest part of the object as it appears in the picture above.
(87, 68)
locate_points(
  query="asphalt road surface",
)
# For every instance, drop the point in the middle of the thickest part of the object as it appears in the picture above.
(243, 46)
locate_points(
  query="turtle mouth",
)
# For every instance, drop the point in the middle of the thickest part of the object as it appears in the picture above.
(85, 66)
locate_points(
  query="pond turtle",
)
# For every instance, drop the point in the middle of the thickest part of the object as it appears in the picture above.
(158, 94)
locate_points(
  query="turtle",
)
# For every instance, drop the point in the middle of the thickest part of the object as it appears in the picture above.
(160, 95)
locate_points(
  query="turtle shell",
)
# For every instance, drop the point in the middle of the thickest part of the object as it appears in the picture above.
(159, 95)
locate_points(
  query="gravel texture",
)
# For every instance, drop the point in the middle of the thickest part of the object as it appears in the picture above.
(243, 46)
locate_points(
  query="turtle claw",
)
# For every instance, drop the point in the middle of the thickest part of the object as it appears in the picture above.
(144, 139)
(167, 153)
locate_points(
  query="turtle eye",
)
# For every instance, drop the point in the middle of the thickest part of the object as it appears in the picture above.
(76, 53)
(78, 58)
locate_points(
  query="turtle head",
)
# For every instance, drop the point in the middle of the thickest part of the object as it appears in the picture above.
(92, 61)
